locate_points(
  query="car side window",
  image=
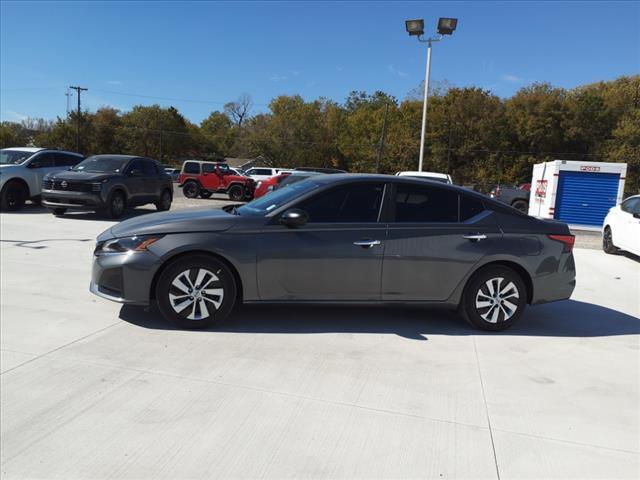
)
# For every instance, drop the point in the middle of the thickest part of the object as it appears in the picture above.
(470, 207)
(425, 204)
(148, 168)
(208, 168)
(191, 167)
(44, 160)
(359, 203)
(260, 171)
(631, 205)
(67, 160)
(134, 165)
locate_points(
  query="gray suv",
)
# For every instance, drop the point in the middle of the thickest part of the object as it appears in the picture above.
(340, 238)
(108, 184)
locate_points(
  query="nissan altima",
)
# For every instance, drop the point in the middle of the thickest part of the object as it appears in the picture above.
(340, 239)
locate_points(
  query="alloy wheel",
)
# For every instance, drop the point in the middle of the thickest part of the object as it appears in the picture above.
(497, 300)
(196, 293)
(117, 205)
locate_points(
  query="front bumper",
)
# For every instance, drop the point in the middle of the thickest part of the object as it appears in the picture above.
(124, 277)
(64, 199)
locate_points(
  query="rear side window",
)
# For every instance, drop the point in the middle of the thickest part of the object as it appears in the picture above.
(425, 204)
(191, 167)
(469, 208)
(67, 160)
(260, 171)
(359, 203)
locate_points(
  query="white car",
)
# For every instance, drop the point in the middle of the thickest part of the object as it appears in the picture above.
(435, 176)
(22, 170)
(621, 228)
(263, 173)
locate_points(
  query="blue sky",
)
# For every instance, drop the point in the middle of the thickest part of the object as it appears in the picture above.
(211, 52)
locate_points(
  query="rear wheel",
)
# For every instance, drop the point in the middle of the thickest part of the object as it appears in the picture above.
(494, 298)
(58, 212)
(236, 193)
(521, 205)
(196, 291)
(164, 203)
(13, 196)
(607, 242)
(191, 189)
(205, 194)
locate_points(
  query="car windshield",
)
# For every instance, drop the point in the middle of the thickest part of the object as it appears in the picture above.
(101, 165)
(13, 157)
(263, 205)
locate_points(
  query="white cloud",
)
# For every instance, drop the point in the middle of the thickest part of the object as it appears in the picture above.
(397, 72)
(14, 116)
(511, 78)
(114, 82)
(277, 78)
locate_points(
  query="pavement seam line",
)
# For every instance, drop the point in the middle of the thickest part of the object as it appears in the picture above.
(62, 346)
(486, 408)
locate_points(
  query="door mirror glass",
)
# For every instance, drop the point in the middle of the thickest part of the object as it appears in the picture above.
(294, 217)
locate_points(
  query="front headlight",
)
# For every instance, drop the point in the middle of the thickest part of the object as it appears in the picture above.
(126, 244)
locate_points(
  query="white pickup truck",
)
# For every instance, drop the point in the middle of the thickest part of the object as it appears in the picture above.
(22, 170)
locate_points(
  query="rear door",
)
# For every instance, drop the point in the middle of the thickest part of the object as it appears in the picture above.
(151, 179)
(337, 255)
(435, 236)
(134, 181)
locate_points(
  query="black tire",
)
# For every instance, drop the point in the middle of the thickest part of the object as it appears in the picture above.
(116, 205)
(183, 306)
(164, 203)
(205, 194)
(607, 242)
(494, 317)
(191, 189)
(58, 212)
(521, 205)
(13, 196)
(236, 193)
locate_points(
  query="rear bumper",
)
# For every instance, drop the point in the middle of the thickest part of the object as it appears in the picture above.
(81, 200)
(558, 285)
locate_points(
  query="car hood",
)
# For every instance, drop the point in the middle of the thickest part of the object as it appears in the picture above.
(200, 220)
(79, 176)
(8, 166)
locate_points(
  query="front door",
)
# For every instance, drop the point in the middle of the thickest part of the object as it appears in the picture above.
(337, 255)
(435, 238)
(210, 179)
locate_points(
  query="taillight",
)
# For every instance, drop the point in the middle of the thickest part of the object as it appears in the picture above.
(566, 240)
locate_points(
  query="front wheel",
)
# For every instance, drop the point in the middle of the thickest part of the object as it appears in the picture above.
(494, 298)
(196, 291)
(13, 196)
(205, 194)
(115, 207)
(236, 193)
(191, 190)
(607, 242)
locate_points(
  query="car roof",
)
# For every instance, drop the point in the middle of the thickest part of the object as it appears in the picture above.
(423, 174)
(118, 157)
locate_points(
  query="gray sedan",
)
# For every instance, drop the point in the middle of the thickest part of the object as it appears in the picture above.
(340, 239)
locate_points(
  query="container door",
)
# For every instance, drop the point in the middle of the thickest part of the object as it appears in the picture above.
(584, 198)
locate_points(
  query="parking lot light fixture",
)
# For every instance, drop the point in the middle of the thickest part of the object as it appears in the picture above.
(446, 26)
(415, 27)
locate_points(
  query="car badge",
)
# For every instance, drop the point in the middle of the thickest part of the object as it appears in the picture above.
(64, 184)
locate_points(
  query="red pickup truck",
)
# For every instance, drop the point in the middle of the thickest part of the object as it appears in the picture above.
(203, 179)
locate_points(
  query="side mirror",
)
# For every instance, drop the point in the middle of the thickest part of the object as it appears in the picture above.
(135, 173)
(294, 217)
(35, 164)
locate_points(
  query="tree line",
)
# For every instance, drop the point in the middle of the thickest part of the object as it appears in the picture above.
(476, 136)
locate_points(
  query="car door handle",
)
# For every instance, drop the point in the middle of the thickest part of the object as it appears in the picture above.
(367, 243)
(475, 237)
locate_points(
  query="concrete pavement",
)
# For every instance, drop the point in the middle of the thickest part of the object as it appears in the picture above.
(90, 389)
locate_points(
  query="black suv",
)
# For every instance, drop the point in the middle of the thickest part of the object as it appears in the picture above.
(108, 184)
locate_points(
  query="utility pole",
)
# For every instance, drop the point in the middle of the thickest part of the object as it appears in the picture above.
(78, 91)
(381, 144)
(67, 94)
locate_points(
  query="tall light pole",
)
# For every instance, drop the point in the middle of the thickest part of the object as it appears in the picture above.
(446, 26)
